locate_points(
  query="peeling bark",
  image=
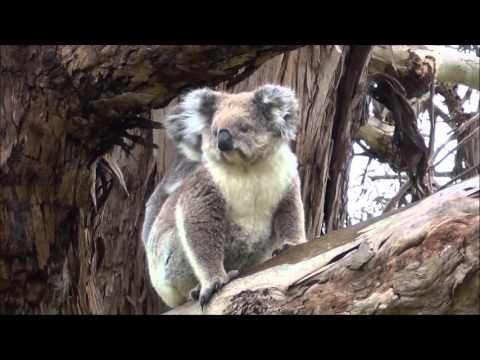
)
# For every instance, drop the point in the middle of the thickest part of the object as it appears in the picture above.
(407, 142)
(373, 268)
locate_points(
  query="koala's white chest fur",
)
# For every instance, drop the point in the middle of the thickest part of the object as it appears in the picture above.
(252, 196)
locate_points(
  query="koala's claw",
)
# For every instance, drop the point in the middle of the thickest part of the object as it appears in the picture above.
(233, 274)
(280, 250)
(195, 292)
(206, 293)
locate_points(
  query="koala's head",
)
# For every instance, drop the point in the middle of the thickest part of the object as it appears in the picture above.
(234, 128)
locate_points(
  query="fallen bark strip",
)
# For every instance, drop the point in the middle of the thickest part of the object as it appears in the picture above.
(423, 259)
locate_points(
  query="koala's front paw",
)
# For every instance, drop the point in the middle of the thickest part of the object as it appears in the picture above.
(216, 284)
(280, 250)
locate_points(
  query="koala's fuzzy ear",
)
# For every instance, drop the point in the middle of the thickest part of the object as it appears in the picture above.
(280, 106)
(189, 118)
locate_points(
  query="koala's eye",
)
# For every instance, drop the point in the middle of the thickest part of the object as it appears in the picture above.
(244, 128)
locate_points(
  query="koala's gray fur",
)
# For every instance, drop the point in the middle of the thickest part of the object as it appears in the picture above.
(231, 200)
(172, 179)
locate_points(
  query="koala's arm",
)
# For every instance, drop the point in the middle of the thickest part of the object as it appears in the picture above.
(201, 225)
(289, 218)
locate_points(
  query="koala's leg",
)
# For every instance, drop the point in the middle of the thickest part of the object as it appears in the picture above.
(168, 293)
(201, 226)
(289, 219)
(164, 272)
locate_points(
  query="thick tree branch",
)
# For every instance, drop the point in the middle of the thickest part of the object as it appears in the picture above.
(451, 66)
(122, 79)
(420, 259)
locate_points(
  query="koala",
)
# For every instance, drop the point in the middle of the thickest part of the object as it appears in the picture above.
(233, 197)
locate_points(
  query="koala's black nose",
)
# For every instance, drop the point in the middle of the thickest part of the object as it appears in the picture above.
(225, 140)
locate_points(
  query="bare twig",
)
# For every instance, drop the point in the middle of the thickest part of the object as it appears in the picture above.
(393, 201)
(465, 125)
(440, 113)
(365, 172)
(363, 147)
(456, 147)
(456, 132)
(467, 96)
(432, 122)
(443, 173)
(463, 173)
(387, 177)
(404, 177)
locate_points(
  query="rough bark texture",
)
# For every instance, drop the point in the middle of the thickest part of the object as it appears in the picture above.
(375, 267)
(351, 112)
(69, 232)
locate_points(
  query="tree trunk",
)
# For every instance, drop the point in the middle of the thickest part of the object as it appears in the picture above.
(375, 267)
(72, 185)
